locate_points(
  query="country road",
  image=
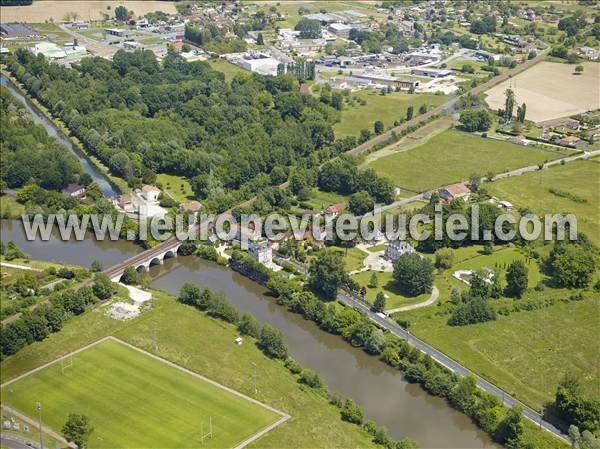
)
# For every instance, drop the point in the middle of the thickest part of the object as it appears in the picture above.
(449, 363)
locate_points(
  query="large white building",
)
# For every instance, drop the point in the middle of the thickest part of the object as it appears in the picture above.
(261, 251)
(396, 248)
(262, 66)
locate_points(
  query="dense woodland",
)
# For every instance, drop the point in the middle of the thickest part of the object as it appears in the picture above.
(141, 118)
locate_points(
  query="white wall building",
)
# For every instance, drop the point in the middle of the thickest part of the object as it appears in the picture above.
(261, 251)
(396, 248)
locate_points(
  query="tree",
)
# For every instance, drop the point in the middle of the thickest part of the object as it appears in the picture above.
(378, 127)
(521, 112)
(122, 13)
(373, 282)
(474, 310)
(309, 29)
(77, 429)
(509, 104)
(352, 412)
(327, 273)
(570, 265)
(379, 304)
(260, 40)
(413, 273)
(475, 120)
(467, 68)
(312, 379)
(188, 247)
(248, 325)
(579, 69)
(375, 341)
(409, 113)
(510, 428)
(103, 287)
(444, 258)
(190, 294)
(14, 252)
(272, 344)
(516, 279)
(130, 276)
(571, 25)
(360, 203)
(573, 408)
(423, 109)
(97, 265)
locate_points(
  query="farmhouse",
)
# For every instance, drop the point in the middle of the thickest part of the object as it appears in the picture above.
(454, 191)
(572, 141)
(150, 193)
(192, 206)
(115, 32)
(75, 190)
(334, 209)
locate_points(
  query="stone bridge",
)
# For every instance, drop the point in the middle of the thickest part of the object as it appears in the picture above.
(152, 256)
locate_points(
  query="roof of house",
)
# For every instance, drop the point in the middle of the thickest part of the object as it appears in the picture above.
(304, 89)
(149, 188)
(73, 187)
(570, 139)
(124, 199)
(192, 206)
(336, 208)
(456, 189)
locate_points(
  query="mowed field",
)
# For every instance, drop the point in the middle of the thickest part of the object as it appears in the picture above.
(453, 156)
(551, 90)
(386, 108)
(134, 400)
(41, 11)
(581, 179)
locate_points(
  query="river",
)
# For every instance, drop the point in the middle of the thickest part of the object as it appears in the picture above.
(105, 186)
(405, 409)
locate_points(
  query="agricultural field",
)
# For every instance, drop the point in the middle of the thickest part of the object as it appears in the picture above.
(386, 108)
(178, 333)
(55, 10)
(110, 381)
(525, 353)
(551, 90)
(456, 156)
(576, 188)
(177, 187)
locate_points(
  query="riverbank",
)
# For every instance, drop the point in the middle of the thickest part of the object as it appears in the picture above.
(120, 185)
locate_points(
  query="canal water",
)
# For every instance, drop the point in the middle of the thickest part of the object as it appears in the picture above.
(405, 409)
(107, 189)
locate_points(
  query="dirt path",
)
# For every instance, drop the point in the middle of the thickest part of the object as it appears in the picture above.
(411, 140)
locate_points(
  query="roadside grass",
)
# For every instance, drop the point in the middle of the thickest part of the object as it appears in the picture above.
(580, 179)
(205, 345)
(177, 186)
(387, 108)
(387, 285)
(110, 382)
(229, 69)
(456, 156)
(53, 33)
(525, 353)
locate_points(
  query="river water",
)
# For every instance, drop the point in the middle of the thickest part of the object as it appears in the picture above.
(405, 409)
(105, 186)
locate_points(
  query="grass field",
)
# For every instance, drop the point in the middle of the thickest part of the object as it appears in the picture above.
(386, 108)
(177, 186)
(229, 69)
(453, 156)
(387, 285)
(181, 337)
(524, 353)
(551, 90)
(110, 383)
(319, 199)
(532, 190)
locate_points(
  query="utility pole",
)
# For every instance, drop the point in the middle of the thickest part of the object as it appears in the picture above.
(541, 416)
(39, 409)
(255, 389)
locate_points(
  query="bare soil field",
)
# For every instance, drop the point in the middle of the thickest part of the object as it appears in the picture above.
(551, 90)
(46, 10)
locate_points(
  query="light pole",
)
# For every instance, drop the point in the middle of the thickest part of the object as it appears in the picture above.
(39, 409)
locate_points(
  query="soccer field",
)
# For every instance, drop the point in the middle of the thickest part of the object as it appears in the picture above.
(136, 400)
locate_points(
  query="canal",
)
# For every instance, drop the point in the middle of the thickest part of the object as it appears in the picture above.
(405, 409)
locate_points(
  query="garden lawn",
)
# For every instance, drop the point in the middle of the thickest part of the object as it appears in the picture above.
(580, 179)
(229, 69)
(134, 400)
(319, 200)
(386, 108)
(453, 156)
(387, 285)
(178, 186)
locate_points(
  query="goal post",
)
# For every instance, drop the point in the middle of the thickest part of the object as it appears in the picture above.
(209, 433)
(66, 363)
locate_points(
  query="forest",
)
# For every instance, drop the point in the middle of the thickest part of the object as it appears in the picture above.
(141, 117)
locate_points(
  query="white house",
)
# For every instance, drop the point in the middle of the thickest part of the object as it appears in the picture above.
(396, 248)
(261, 251)
(150, 193)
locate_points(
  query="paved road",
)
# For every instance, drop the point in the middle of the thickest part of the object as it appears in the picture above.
(448, 362)
(435, 294)
(15, 442)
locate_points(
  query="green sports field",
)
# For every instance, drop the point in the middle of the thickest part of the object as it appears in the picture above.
(134, 400)
(453, 156)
